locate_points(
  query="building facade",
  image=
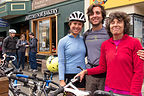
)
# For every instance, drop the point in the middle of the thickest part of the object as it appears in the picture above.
(48, 19)
(12, 13)
(132, 7)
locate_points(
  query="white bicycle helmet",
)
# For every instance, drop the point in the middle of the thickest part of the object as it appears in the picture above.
(77, 16)
(52, 64)
(12, 31)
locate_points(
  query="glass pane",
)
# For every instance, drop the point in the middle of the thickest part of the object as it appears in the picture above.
(44, 35)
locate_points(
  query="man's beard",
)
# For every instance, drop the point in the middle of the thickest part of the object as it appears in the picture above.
(95, 25)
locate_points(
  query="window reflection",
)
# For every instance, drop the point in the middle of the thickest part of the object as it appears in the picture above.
(44, 35)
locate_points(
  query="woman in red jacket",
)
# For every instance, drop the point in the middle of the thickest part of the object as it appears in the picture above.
(119, 58)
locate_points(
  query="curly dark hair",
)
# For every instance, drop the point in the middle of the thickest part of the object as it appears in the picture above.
(120, 16)
(90, 11)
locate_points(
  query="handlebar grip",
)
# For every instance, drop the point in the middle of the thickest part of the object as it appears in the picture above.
(102, 93)
(75, 79)
(105, 93)
(80, 68)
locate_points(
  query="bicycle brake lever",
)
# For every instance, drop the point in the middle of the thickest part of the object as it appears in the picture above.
(80, 68)
(75, 79)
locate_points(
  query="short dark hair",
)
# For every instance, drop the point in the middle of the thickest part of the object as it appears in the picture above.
(120, 16)
(90, 11)
(31, 33)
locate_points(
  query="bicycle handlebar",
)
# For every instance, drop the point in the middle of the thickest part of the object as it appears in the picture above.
(105, 93)
(75, 79)
(4, 57)
(59, 90)
(80, 68)
(19, 79)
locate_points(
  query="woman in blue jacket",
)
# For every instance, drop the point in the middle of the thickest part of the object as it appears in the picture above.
(71, 50)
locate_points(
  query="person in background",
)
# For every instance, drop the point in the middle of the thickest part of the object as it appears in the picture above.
(119, 58)
(9, 46)
(93, 38)
(71, 51)
(32, 52)
(1, 40)
(21, 50)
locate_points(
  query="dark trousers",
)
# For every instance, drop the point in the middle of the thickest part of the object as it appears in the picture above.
(32, 60)
(94, 83)
(21, 59)
(15, 61)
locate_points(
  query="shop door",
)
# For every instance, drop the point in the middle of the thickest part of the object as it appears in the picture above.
(46, 34)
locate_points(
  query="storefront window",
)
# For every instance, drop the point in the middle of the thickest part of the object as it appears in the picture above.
(44, 35)
(45, 30)
(138, 27)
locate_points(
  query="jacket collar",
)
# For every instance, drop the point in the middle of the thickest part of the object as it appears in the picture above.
(123, 38)
(73, 36)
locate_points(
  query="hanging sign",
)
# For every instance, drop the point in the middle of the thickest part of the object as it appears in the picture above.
(115, 3)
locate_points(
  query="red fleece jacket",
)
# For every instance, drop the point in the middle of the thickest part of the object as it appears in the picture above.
(124, 68)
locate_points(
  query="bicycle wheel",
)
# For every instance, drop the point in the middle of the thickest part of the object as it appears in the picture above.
(12, 92)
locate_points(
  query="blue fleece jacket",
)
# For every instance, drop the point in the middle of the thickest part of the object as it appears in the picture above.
(71, 53)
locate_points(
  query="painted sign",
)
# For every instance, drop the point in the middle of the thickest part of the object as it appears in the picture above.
(102, 2)
(2, 1)
(42, 14)
(3, 23)
(115, 3)
(36, 4)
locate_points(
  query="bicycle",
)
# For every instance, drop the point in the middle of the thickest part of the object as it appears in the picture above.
(37, 86)
(12, 90)
(71, 88)
(6, 64)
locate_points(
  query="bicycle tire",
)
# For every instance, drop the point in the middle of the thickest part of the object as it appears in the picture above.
(16, 93)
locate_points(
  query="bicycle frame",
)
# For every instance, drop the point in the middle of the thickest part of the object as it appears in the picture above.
(39, 85)
(73, 89)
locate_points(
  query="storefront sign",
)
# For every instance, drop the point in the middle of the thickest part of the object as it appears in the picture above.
(42, 14)
(115, 3)
(36, 4)
(2, 1)
(3, 23)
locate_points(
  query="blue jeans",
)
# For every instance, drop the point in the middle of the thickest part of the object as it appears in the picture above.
(15, 61)
(21, 59)
(32, 60)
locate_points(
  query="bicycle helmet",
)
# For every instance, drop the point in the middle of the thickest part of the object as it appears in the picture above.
(77, 16)
(12, 31)
(52, 64)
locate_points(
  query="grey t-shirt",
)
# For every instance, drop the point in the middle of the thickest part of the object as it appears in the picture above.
(93, 42)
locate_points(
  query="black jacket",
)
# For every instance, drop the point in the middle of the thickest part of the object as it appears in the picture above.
(9, 44)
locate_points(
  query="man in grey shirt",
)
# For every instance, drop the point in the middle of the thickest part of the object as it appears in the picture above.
(93, 38)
